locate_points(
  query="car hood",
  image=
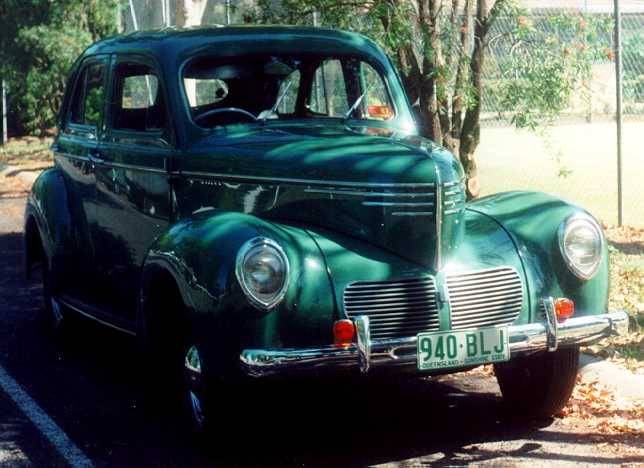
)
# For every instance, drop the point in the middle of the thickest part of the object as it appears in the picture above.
(368, 183)
(321, 152)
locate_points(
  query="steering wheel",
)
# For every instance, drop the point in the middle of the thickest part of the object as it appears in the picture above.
(225, 110)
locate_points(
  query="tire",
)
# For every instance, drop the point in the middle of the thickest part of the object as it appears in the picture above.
(170, 385)
(538, 386)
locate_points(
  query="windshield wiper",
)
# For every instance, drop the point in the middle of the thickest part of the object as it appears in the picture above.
(264, 115)
(357, 103)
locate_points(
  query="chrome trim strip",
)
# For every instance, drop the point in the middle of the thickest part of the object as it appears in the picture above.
(391, 353)
(438, 260)
(92, 317)
(103, 162)
(287, 180)
(71, 156)
(454, 182)
(412, 213)
(132, 167)
(401, 204)
(454, 210)
(370, 194)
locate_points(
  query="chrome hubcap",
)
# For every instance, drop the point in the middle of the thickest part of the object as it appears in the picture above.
(192, 367)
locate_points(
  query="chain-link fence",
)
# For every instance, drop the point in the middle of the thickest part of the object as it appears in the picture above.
(576, 157)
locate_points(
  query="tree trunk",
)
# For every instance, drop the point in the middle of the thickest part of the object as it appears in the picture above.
(471, 130)
(461, 74)
(190, 13)
(431, 125)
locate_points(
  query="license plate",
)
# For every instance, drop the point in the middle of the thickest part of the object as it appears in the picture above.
(441, 350)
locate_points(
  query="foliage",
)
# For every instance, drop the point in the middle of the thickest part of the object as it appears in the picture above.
(544, 61)
(39, 41)
(633, 47)
(626, 249)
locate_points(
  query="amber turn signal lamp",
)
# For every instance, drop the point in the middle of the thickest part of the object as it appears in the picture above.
(343, 332)
(564, 308)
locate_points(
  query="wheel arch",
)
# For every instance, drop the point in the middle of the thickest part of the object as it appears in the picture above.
(48, 225)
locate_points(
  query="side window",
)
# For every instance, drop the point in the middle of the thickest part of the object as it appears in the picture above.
(203, 91)
(139, 103)
(329, 92)
(89, 96)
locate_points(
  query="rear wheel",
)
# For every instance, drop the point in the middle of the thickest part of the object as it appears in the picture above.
(540, 385)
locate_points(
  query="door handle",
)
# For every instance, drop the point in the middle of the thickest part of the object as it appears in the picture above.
(95, 156)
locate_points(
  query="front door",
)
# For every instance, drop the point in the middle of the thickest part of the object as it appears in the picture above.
(132, 183)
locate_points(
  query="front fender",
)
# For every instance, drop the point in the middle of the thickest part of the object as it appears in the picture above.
(200, 253)
(532, 220)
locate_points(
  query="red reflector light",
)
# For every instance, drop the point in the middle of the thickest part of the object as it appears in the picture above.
(343, 332)
(564, 308)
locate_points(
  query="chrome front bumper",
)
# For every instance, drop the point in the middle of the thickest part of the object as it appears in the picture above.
(366, 354)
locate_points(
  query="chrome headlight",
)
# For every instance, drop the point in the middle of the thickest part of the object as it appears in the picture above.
(581, 242)
(262, 271)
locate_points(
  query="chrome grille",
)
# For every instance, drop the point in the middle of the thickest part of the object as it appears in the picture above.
(396, 308)
(486, 297)
(453, 197)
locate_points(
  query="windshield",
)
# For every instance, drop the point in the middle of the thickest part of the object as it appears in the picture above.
(269, 87)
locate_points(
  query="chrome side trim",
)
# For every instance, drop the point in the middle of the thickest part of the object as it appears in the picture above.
(92, 317)
(391, 353)
(71, 156)
(365, 193)
(397, 204)
(288, 180)
(412, 213)
(132, 167)
(103, 162)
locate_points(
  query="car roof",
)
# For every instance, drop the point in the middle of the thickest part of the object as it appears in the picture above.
(180, 43)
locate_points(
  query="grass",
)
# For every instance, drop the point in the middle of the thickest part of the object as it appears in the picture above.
(26, 152)
(512, 159)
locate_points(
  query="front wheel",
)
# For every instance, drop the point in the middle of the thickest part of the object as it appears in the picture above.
(540, 385)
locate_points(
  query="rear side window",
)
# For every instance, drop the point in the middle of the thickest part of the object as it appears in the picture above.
(138, 100)
(89, 96)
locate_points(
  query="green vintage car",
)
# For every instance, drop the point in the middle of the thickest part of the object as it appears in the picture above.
(256, 201)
